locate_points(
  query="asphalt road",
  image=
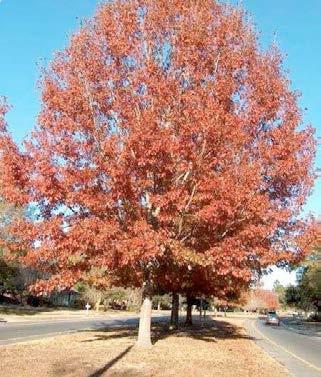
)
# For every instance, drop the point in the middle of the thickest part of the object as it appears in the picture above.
(300, 354)
(21, 332)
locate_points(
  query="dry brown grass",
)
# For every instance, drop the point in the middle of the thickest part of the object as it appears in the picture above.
(218, 348)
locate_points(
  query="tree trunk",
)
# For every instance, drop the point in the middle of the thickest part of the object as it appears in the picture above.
(175, 308)
(189, 320)
(318, 311)
(144, 333)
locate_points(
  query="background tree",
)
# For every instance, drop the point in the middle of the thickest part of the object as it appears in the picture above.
(279, 289)
(12, 275)
(292, 296)
(162, 302)
(7, 275)
(311, 280)
(166, 137)
(261, 300)
(92, 295)
(307, 294)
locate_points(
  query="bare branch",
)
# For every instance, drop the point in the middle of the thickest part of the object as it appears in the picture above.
(191, 198)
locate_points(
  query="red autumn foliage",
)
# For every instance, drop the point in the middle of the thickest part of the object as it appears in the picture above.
(261, 299)
(167, 149)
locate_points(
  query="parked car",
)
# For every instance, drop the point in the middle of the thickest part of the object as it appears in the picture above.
(272, 318)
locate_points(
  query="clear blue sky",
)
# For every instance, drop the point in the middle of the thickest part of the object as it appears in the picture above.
(30, 31)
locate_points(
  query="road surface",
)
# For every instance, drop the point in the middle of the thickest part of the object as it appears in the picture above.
(300, 354)
(25, 331)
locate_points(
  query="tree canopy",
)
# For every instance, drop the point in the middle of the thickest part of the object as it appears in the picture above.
(167, 140)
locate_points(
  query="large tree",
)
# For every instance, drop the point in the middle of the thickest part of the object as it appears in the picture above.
(166, 137)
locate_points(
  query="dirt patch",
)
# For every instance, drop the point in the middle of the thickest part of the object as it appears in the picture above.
(217, 348)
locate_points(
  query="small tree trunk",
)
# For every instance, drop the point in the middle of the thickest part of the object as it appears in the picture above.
(144, 333)
(175, 308)
(189, 320)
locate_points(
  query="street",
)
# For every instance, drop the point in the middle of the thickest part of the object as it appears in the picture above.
(300, 354)
(20, 332)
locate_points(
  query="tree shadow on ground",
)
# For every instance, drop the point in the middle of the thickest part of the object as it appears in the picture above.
(208, 331)
(110, 333)
(107, 366)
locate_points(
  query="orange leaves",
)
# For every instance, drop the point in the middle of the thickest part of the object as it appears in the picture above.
(259, 299)
(13, 163)
(167, 145)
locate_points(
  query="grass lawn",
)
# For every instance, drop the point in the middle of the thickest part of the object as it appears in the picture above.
(218, 348)
(22, 311)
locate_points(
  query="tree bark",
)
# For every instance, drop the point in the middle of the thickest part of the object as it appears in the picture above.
(189, 320)
(175, 309)
(97, 305)
(144, 333)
